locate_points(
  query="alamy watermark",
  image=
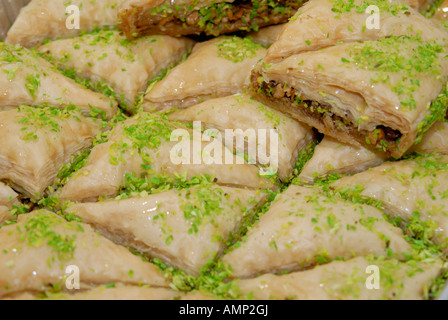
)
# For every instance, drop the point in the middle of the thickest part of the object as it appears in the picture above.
(253, 146)
(73, 19)
(373, 281)
(73, 278)
(373, 20)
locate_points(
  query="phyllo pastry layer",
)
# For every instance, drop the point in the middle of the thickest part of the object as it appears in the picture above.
(216, 68)
(127, 66)
(413, 190)
(348, 280)
(48, 19)
(37, 250)
(303, 228)
(383, 94)
(152, 146)
(184, 17)
(40, 141)
(8, 199)
(248, 118)
(332, 157)
(186, 229)
(27, 78)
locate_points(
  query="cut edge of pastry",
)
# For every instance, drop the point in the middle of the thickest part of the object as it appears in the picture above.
(127, 239)
(389, 141)
(181, 20)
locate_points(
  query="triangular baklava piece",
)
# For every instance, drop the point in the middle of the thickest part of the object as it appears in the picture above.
(348, 280)
(324, 23)
(245, 118)
(413, 190)
(331, 156)
(48, 19)
(37, 250)
(185, 228)
(127, 66)
(151, 145)
(376, 88)
(39, 141)
(27, 78)
(304, 228)
(216, 68)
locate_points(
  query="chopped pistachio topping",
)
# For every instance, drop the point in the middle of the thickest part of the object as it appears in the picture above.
(408, 56)
(13, 58)
(148, 133)
(76, 163)
(32, 84)
(39, 231)
(178, 279)
(44, 119)
(304, 156)
(438, 110)
(354, 195)
(207, 18)
(237, 49)
(98, 86)
(271, 116)
(434, 290)
(201, 205)
(432, 8)
(213, 279)
(135, 186)
(343, 6)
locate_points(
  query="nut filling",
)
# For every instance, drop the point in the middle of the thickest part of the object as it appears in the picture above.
(383, 138)
(214, 20)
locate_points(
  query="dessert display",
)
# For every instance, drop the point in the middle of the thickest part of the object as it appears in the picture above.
(224, 150)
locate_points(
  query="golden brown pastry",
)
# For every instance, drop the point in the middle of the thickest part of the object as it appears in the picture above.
(347, 280)
(373, 93)
(216, 68)
(246, 116)
(40, 141)
(213, 17)
(185, 228)
(27, 78)
(127, 66)
(142, 145)
(47, 19)
(413, 190)
(37, 250)
(304, 228)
